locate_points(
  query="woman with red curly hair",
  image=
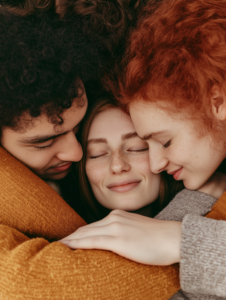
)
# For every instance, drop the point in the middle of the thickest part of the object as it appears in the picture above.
(173, 84)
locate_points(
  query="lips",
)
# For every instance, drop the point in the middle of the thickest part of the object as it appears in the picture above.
(176, 173)
(62, 168)
(123, 186)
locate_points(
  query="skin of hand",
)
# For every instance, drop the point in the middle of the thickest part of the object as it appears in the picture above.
(141, 239)
(215, 186)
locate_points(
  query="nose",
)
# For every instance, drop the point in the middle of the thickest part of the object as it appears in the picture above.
(157, 159)
(119, 163)
(70, 149)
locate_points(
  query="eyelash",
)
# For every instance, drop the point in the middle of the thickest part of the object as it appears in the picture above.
(167, 144)
(141, 150)
(44, 147)
(93, 157)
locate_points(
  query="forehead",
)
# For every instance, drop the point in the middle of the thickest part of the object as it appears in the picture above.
(152, 117)
(42, 125)
(112, 121)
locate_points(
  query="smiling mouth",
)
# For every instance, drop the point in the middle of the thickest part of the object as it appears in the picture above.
(176, 173)
(123, 187)
(61, 168)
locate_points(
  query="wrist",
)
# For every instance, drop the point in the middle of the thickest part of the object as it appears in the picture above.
(175, 242)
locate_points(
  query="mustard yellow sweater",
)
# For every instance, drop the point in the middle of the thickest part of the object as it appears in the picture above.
(33, 266)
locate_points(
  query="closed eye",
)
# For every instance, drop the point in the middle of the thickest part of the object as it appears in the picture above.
(167, 144)
(43, 147)
(138, 150)
(97, 156)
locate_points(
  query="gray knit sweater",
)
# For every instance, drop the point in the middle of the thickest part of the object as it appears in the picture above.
(203, 247)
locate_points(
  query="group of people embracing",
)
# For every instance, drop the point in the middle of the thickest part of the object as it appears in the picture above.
(114, 111)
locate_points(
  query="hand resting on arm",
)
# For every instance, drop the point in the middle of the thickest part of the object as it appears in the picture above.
(139, 238)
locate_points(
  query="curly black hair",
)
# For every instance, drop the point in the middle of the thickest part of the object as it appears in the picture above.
(42, 62)
(109, 19)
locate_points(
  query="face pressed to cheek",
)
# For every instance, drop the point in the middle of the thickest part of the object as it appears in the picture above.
(117, 163)
(175, 146)
(48, 149)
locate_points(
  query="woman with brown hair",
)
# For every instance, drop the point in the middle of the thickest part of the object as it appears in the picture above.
(108, 159)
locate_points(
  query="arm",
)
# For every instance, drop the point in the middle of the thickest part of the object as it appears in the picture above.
(203, 256)
(36, 269)
(203, 245)
(199, 253)
(139, 238)
(195, 203)
(187, 202)
(33, 268)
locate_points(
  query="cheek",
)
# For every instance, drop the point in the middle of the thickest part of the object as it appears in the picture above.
(96, 172)
(36, 160)
(140, 163)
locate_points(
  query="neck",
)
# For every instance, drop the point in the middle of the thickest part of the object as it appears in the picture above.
(149, 210)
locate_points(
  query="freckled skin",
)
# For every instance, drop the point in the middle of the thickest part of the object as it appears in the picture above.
(118, 161)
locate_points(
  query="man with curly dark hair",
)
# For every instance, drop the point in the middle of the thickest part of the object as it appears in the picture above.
(42, 95)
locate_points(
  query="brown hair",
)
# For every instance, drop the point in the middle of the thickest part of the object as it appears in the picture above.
(91, 208)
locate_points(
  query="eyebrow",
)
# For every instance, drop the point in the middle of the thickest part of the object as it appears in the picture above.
(124, 137)
(38, 139)
(149, 135)
(96, 141)
(129, 136)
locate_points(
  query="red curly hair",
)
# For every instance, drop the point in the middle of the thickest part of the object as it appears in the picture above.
(176, 55)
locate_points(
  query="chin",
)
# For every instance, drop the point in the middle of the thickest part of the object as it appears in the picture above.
(56, 176)
(191, 185)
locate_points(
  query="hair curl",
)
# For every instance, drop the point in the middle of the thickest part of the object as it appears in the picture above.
(42, 64)
(176, 55)
(27, 7)
(107, 19)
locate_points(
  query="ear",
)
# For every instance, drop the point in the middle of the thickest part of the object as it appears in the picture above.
(218, 102)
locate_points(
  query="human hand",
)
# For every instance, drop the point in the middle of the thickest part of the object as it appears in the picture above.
(139, 238)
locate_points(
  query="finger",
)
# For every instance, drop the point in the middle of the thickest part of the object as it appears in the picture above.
(86, 231)
(93, 242)
(85, 228)
(117, 217)
(114, 229)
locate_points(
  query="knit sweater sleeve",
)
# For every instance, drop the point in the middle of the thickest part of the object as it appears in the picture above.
(203, 256)
(203, 246)
(33, 265)
(196, 204)
(37, 269)
(187, 202)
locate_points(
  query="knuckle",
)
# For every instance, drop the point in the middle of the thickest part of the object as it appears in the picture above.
(95, 240)
(112, 218)
(116, 227)
(116, 212)
(82, 230)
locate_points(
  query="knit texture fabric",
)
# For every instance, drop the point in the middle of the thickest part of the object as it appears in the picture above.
(194, 273)
(203, 256)
(33, 266)
(31, 216)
